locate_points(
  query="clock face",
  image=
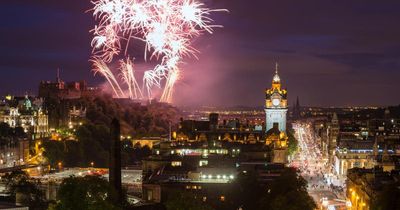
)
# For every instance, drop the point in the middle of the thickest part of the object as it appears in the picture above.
(275, 102)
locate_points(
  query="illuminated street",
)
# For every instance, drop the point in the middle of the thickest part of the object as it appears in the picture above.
(315, 170)
(127, 176)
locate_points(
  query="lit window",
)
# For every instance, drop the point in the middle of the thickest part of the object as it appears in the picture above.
(222, 198)
(176, 163)
(203, 162)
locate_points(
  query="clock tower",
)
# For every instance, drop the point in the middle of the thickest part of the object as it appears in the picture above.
(276, 104)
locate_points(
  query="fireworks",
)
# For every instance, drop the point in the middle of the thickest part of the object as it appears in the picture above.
(165, 26)
(128, 76)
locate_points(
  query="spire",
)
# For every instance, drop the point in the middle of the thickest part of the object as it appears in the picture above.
(276, 76)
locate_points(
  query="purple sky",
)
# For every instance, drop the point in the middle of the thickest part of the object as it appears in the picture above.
(338, 52)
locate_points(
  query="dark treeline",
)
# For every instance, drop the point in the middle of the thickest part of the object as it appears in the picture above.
(93, 142)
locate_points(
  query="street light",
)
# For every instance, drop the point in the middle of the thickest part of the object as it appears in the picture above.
(92, 164)
(348, 203)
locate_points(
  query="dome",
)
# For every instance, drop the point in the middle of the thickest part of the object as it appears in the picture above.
(276, 78)
(27, 103)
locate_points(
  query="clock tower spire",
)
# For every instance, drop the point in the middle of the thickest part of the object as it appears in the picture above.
(276, 103)
(275, 119)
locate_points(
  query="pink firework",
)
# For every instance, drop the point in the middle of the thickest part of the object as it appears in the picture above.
(167, 28)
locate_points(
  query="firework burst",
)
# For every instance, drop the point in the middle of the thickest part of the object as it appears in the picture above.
(165, 26)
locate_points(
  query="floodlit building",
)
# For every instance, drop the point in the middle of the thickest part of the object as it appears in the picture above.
(209, 130)
(276, 104)
(275, 118)
(27, 113)
(353, 154)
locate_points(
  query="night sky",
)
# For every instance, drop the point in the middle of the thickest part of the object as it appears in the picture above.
(331, 53)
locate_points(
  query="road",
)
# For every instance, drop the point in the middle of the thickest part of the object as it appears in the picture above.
(315, 169)
(127, 176)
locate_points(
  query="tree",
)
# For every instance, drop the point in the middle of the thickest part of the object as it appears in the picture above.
(5, 130)
(293, 143)
(388, 198)
(94, 141)
(288, 191)
(74, 154)
(85, 193)
(53, 152)
(25, 189)
(93, 136)
(248, 191)
(183, 200)
(132, 155)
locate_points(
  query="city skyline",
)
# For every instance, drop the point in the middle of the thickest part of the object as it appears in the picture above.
(199, 104)
(330, 54)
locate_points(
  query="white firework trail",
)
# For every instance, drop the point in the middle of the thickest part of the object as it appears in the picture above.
(128, 76)
(166, 26)
(99, 66)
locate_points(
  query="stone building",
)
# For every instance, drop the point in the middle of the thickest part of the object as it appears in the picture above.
(25, 112)
(365, 185)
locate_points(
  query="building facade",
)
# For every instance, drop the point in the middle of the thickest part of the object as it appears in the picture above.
(353, 154)
(27, 113)
(332, 134)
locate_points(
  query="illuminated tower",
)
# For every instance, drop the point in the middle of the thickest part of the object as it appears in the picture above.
(276, 104)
